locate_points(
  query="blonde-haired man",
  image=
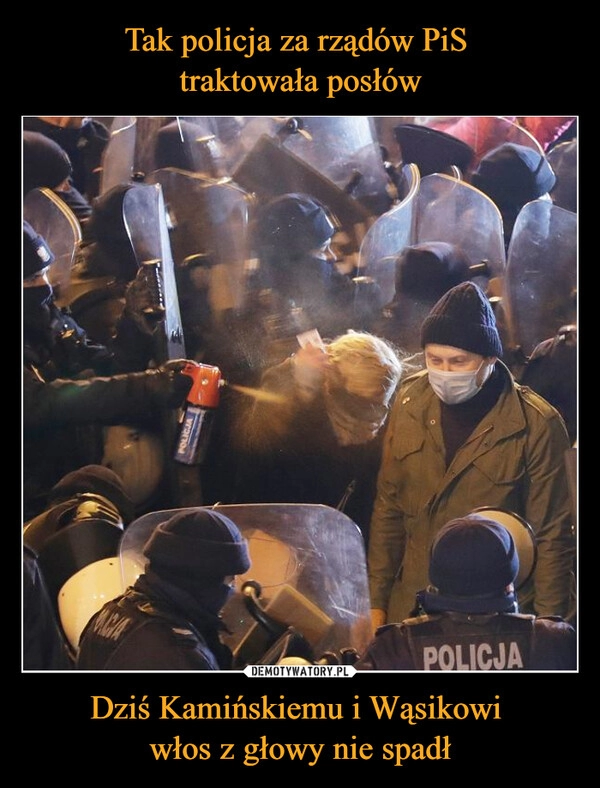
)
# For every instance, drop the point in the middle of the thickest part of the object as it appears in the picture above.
(313, 433)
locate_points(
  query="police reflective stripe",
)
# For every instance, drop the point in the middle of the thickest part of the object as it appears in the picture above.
(461, 642)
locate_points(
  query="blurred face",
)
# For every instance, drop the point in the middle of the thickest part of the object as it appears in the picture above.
(37, 280)
(356, 417)
(365, 386)
(346, 253)
(37, 316)
(325, 252)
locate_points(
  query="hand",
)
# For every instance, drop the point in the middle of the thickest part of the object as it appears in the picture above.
(378, 618)
(142, 303)
(176, 364)
(309, 363)
(180, 383)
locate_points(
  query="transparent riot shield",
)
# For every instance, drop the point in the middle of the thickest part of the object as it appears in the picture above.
(541, 274)
(563, 160)
(146, 222)
(78, 556)
(408, 181)
(192, 146)
(119, 154)
(209, 219)
(130, 152)
(145, 218)
(346, 151)
(482, 133)
(270, 170)
(389, 235)
(453, 211)
(438, 208)
(239, 134)
(52, 218)
(309, 562)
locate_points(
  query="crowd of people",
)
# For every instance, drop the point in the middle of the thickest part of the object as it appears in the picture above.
(218, 248)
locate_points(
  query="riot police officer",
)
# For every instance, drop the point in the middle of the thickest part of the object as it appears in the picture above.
(47, 166)
(467, 618)
(83, 139)
(299, 287)
(170, 618)
(513, 175)
(69, 393)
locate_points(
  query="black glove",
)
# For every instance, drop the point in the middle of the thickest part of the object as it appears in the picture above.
(180, 383)
(143, 301)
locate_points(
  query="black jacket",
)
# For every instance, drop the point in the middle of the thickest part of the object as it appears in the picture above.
(289, 453)
(153, 626)
(69, 395)
(456, 641)
(44, 647)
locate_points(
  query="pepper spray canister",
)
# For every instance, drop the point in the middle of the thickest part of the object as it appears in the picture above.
(198, 414)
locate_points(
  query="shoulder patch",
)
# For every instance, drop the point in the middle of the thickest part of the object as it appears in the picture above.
(536, 401)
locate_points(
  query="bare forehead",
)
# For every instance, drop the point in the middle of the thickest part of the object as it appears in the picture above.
(450, 353)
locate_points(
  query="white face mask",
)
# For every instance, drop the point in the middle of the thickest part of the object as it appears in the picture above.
(456, 387)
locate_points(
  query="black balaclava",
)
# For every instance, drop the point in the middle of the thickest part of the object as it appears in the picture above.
(37, 301)
(190, 558)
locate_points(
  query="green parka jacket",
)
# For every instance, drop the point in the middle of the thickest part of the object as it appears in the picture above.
(514, 460)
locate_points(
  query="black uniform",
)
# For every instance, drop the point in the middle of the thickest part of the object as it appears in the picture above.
(154, 626)
(44, 647)
(69, 394)
(461, 641)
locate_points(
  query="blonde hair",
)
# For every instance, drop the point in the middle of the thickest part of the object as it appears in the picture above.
(366, 363)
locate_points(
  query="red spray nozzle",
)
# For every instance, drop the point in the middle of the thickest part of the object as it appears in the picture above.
(206, 384)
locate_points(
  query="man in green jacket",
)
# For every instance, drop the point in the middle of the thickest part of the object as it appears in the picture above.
(463, 434)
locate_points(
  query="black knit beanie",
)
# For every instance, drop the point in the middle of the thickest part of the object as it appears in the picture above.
(473, 561)
(197, 547)
(463, 318)
(512, 175)
(431, 150)
(292, 225)
(426, 271)
(45, 163)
